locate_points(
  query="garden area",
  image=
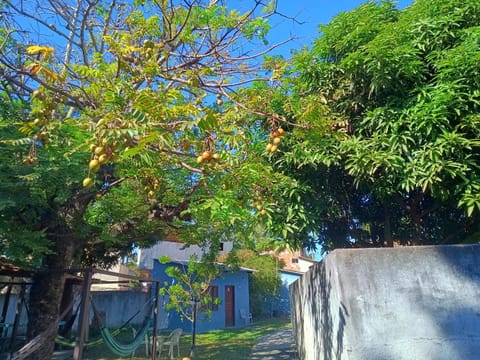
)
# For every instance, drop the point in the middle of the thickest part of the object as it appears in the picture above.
(125, 123)
(232, 344)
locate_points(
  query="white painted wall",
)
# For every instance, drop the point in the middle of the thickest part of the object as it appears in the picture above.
(174, 250)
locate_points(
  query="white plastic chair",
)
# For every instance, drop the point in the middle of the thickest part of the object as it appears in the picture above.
(171, 341)
(247, 317)
(146, 341)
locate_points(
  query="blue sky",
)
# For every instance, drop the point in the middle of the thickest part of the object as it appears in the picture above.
(310, 13)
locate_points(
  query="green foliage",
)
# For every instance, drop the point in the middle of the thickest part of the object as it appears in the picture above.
(386, 103)
(191, 282)
(141, 91)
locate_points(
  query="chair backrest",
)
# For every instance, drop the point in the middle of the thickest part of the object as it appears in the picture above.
(175, 336)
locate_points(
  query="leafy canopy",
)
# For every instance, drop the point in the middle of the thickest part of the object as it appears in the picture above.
(386, 105)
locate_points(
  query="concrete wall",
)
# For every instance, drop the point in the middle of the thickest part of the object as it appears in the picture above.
(403, 303)
(118, 307)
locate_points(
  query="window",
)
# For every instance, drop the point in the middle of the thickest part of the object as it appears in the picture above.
(294, 260)
(221, 246)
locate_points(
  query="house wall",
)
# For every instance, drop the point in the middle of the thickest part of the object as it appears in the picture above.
(174, 250)
(120, 285)
(239, 279)
(392, 304)
(283, 305)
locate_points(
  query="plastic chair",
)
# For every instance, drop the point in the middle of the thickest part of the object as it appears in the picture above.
(171, 341)
(146, 341)
(247, 317)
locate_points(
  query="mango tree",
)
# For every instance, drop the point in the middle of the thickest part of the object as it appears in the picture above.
(386, 105)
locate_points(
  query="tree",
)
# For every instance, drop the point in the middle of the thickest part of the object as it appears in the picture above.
(191, 293)
(386, 104)
(143, 101)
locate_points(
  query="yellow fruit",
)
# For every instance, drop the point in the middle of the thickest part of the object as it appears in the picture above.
(151, 193)
(87, 182)
(37, 122)
(263, 212)
(216, 156)
(36, 93)
(280, 131)
(259, 207)
(99, 150)
(92, 147)
(93, 164)
(206, 155)
(276, 141)
(219, 102)
(199, 159)
(274, 148)
(269, 147)
(103, 159)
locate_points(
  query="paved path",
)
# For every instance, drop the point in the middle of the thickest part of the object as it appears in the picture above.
(275, 346)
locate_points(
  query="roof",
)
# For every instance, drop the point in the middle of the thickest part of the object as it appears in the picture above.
(294, 272)
(307, 259)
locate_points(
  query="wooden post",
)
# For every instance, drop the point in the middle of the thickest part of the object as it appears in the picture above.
(84, 312)
(155, 319)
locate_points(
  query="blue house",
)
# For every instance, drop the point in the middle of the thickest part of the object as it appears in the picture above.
(231, 287)
(282, 305)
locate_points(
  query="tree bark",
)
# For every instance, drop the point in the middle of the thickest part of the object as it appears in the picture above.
(46, 294)
(387, 227)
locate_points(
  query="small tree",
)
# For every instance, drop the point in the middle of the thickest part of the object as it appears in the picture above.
(191, 288)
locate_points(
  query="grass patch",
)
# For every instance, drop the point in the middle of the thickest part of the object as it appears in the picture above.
(231, 344)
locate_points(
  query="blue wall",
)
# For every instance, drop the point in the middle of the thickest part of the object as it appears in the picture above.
(283, 307)
(239, 279)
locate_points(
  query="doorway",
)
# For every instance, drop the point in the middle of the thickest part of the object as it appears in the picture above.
(229, 305)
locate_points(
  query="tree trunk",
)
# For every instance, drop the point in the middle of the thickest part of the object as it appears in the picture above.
(46, 295)
(387, 227)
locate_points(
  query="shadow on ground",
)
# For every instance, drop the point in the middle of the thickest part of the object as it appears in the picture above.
(276, 346)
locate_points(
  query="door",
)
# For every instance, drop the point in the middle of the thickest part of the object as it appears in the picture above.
(229, 305)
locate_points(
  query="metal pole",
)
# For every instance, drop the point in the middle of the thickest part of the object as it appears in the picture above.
(84, 312)
(155, 319)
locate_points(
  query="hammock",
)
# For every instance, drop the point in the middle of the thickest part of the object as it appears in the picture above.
(121, 349)
(125, 349)
(63, 341)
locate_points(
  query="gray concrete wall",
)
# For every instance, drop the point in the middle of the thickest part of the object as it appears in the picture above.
(118, 306)
(403, 303)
